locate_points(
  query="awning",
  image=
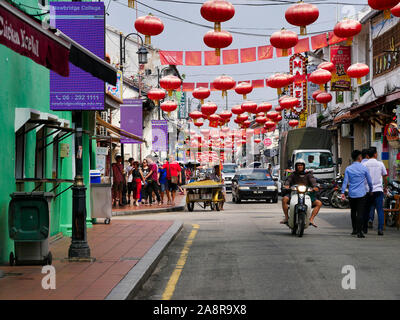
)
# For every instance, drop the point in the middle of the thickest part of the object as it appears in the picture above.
(376, 103)
(48, 47)
(117, 130)
(347, 116)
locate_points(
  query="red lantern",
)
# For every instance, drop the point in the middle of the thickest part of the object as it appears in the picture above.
(278, 118)
(209, 108)
(225, 130)
(249, 107)
(357, 70)
(264, 107)
(205, 132)
(237, 121)
(320, 76)
(224, 83)
(279, 81)
(168, 106)
(195, 115)
(324, 98)
(156, 94)
(149, 26)
(278, 108)
(302, 14)
(396, 10)
(244, 88)
(347, 28)
(201, 94)
(217, 40)
(257, 140)
(293, 123)
(261, 120)
(269, 125)
(289, 102)
(284, 39)
(384, 5)
(226, 115)
(217, 11)
(242, 117)
(199, 123)
(170, 83)
(237, 109)
(272, 115)
(329, 66)
(214, 120)
(317, 92)
(246, 123)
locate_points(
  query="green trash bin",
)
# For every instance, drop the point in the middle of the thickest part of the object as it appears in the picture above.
(29, 227)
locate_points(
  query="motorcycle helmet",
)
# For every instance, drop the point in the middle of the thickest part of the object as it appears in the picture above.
(299, 161)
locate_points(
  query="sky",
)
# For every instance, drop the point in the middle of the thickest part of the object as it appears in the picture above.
(259, 21)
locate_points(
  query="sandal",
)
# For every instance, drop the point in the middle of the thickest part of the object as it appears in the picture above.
(284, 222)
(314, 225)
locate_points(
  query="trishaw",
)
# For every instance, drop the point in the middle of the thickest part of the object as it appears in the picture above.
(204, 193)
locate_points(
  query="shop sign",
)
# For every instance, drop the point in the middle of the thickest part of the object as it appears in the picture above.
(84, 23)
(341, 58)
(159, 129)
(298, 67)
(31, 42)
(132, 119)
(116, 91)
(386, 50)
(64, 150)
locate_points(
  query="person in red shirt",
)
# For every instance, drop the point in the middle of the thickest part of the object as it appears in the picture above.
(173, 176)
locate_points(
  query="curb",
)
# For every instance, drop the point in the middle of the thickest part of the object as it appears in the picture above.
(129, 286)
(181, 207)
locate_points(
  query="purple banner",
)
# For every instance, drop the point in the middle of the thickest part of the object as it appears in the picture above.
(159, 130)
(83, 22)
(131, 118)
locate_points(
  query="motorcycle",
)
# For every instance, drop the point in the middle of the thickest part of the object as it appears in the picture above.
(326, 190)
(300, 209)
(336, 198)
(390, 203)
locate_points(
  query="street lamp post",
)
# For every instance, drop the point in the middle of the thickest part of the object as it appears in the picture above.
(142, 59)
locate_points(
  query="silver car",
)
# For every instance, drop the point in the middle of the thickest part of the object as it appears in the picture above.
(228, 172)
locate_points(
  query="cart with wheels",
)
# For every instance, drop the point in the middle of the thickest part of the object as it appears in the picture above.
(205, 193)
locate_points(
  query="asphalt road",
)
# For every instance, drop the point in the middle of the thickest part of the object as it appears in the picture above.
(244, 253)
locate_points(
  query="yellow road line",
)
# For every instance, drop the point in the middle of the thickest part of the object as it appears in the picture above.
(173, 280)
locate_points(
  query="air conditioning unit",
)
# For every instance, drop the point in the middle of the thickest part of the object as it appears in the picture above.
(346, 130)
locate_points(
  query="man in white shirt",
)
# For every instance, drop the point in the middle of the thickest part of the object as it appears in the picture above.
(378, 174)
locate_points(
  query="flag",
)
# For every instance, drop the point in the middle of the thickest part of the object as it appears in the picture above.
(258, 83)
(187, 86)
(333, 39)
(302, 46)
(171, 57)
(248, 55)
(193, 58)
(230, 56)
(211, 59)
(202, 84)
(319, 41)
(265, 52)
(279, 52)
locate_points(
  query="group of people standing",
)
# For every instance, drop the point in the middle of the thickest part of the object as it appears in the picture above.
(145, 182)
(367, 181)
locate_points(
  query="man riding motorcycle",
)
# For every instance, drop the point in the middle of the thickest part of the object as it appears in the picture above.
(300, 176)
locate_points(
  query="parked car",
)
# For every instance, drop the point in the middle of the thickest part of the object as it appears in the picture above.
(254, 184)
(228, 172)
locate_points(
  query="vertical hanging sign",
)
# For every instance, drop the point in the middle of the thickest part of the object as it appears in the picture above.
(298, 67)
(131, 119)
(84, 23)
(159, 130)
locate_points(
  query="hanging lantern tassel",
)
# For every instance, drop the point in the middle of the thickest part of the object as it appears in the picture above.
(156, 102)
(284, 52)
(218, 52)
(244, 97)
(217, 26)
(325, 105)
(170, 93)
(321, 87)
(303, 31)
(359, 82)
(279, 91)
(349, 41)
(131, 3)
(147, 40)
(387, 14)
(223, 93)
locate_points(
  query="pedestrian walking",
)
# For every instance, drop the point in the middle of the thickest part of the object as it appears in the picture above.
(145, 172)
(378, 174)
(162, 179)
(137, 178)
(131, 185)
(152, 181)
(173, 176)
(355, 176)
(118, 181)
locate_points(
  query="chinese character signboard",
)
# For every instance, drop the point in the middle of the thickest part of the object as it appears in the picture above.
(131, 118)
(341, 58)
(83, 22)
(159, 130)
(182, 107)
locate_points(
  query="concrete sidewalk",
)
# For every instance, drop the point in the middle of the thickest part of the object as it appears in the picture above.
(126, 253)
(180, 202)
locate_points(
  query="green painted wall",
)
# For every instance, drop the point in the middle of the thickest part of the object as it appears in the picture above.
(25, 84)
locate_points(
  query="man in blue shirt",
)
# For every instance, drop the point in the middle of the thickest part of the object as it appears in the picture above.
(355, 176)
